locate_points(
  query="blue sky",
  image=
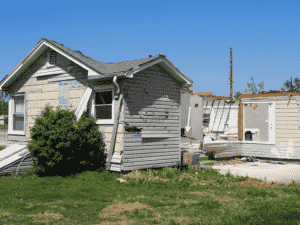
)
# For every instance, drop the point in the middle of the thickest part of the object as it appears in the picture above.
(195, 36)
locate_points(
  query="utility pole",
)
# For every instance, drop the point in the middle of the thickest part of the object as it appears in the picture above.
(231, 89)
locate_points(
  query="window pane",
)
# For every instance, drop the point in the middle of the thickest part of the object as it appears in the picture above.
(18, 122)
(19, 105)
(103, 97)
(103, 112)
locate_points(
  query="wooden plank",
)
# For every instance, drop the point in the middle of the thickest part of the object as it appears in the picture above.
(149, 112)
(287, 110)
(128, 152)
(154, 160)
(153, 109)
(154, 144)
(293, 122)
(287, 118)
(38, 111)
(76, 93)
(169, 107)
(145, 141)
(168, 129)
(287, 126)
(152, 117)
(147, 121)
(129, 167)
(41, 103)
(155, 125)
(158, 135)
(131, 158)
(42, 87)
(279, 115)
(42, 96)
(148, 159)
(287, 131)
(160, 132)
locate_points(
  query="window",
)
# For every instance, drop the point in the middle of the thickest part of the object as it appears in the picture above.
(17, 115)
(104, 106)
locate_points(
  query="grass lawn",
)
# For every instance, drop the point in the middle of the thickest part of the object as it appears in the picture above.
(167, 196)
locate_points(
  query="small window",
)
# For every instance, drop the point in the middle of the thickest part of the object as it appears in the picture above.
(104, 105)
(18, 113)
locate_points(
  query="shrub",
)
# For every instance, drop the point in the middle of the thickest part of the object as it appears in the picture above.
(62, 146)
(89, 146)
(51, 140)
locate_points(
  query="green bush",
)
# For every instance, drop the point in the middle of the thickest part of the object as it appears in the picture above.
(63, 147)
(89, 146)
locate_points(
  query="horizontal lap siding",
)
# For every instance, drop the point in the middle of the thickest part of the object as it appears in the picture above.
(39, 92)
(224, 150)
(152, 100)
(287, 123)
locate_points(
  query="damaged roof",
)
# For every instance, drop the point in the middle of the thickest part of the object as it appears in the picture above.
(95, 68)
(103, 68)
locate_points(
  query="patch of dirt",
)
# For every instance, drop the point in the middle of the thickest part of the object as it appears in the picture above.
(113, 211)
(221, 199)
(49, 217)
(263, 184)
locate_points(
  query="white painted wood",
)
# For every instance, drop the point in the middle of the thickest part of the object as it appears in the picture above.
(52, 71)
(272, 122)
(83, 103)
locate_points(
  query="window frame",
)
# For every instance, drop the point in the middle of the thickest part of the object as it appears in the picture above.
(11, 105)
(93, 112)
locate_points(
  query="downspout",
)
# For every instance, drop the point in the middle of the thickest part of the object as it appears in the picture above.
(116, 123)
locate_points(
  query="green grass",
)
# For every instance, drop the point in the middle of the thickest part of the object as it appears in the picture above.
(2, 147)
(167, 196)
(3, 127)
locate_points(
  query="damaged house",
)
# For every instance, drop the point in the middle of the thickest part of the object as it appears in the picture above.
(136, 104)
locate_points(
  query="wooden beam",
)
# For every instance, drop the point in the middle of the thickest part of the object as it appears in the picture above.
(240, 120)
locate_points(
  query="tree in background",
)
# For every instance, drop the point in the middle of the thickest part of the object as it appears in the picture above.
(3, 103)
(288, 85)
(252, 89)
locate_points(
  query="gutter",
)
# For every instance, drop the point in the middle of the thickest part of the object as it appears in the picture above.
(116, 123)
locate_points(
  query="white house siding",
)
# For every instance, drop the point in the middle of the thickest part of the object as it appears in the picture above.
(152, 100)
(42, 90)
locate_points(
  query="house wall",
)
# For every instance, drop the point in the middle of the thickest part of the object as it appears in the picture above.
(40, 91)
(152, 100)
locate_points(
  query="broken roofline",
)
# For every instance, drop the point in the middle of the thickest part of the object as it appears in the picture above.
(260, 95)
(214, 97)
(270, 94)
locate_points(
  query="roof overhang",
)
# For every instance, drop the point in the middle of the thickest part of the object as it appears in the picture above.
(41, 46)
(163, 62)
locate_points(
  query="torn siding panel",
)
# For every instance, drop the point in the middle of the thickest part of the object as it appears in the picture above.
(152, 106)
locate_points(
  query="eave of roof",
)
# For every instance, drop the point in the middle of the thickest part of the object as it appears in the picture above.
(101, 69)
